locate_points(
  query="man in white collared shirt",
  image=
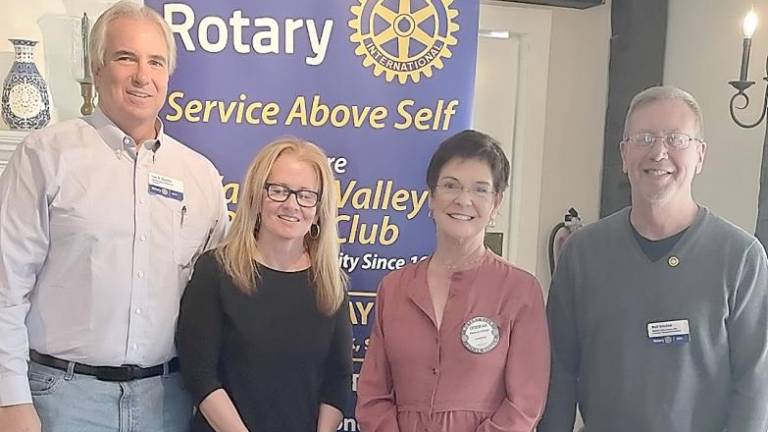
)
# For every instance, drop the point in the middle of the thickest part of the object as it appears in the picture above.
(102, 219)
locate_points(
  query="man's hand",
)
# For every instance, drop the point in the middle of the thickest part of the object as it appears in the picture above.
(19, 418)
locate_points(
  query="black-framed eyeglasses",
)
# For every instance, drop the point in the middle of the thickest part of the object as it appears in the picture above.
(673, 141)
(281, 193)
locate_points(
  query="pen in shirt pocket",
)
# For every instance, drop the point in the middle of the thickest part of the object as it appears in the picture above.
(183, 213)
(210, 233)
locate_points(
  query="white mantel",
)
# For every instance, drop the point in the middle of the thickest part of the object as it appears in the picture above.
(9, 139)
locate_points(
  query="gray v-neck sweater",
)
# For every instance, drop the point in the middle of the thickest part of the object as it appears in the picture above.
(604, 294)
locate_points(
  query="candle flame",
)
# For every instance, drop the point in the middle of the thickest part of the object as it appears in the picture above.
(750, 24)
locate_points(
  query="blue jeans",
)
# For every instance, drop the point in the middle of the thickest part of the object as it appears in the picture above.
(70, 402)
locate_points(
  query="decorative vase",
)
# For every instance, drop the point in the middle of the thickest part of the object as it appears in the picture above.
(25, 103)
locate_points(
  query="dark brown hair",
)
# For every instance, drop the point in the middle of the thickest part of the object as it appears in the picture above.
(471, 144)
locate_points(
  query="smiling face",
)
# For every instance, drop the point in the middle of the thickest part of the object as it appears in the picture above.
(287, 221)
(463, 200)
(658, 174)
(133, 82)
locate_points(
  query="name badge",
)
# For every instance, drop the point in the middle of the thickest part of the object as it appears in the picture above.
(669, 332)
(480, 335)
(166, 186)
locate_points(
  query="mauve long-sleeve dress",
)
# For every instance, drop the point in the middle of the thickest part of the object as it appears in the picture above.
(418, 378)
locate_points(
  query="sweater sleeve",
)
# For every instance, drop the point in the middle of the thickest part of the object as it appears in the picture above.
(337, 381)
(560, 410)
(526, 370)
(376, 410)
(747, 326)
(198, 333)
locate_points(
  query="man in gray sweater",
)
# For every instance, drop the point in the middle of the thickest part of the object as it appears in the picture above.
(659, 313)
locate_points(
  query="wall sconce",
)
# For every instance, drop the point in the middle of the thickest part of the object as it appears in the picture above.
(749, 26)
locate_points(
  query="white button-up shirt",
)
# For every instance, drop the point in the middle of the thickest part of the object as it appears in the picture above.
(93, 259)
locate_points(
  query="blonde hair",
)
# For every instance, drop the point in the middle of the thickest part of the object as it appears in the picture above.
(126, 9)
(240, 246)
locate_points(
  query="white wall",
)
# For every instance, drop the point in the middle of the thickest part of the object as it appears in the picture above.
(703, 54)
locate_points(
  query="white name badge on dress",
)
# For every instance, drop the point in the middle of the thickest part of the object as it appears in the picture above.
(166, 186)
(480, 335)
(669, 332)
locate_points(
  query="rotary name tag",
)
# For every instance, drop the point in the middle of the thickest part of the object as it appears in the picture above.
(669, 332)
(166, 186)
(480, 335)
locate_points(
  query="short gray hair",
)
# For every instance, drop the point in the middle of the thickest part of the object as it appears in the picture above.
(663, 93)
(126, 9)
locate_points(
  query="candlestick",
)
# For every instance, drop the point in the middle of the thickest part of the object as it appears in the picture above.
(85, 30)
(86, 91)
(745, 48)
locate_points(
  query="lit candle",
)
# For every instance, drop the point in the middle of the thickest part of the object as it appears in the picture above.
(749, 26)
(85, 28)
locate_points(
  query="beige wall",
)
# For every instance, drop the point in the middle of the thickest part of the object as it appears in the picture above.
(55, 24)
(703, 51)
(703, 54)
(18, 18)
(577, 87)
(576, 102)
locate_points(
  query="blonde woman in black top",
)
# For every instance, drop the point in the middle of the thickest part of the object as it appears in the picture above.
(263, 337)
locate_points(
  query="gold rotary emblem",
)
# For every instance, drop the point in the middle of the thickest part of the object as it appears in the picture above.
(404, 38)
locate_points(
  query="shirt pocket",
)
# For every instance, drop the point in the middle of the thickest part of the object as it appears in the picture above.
(191, 231)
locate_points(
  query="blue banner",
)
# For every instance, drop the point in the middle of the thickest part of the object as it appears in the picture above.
(376, 83)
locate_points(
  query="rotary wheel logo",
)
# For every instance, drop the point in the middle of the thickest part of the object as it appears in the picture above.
(404, 38)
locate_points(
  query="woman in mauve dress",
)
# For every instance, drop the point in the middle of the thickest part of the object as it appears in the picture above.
(460, 341)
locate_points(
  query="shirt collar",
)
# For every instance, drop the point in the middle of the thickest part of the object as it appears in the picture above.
(461, 281)
(118, 140)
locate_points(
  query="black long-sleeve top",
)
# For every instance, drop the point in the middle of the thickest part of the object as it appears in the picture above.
(273, 352)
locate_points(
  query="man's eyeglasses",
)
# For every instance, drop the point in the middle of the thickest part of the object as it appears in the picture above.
(280, 193)
(673, 141)
(452, 189)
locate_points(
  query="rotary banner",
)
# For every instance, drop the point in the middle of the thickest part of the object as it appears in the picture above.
(376, 83)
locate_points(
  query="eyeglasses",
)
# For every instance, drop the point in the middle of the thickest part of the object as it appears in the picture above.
(452, 189)
(673, 141)
(280, 193)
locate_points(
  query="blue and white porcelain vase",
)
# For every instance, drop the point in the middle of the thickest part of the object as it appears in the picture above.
(25, 103)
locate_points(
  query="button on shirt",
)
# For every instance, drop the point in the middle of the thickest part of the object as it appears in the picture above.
(92, 262)
(418, 378)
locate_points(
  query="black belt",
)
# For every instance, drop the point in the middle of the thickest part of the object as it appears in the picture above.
(107, 373)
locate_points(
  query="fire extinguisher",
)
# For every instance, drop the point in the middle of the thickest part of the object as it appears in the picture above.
(571, 222)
